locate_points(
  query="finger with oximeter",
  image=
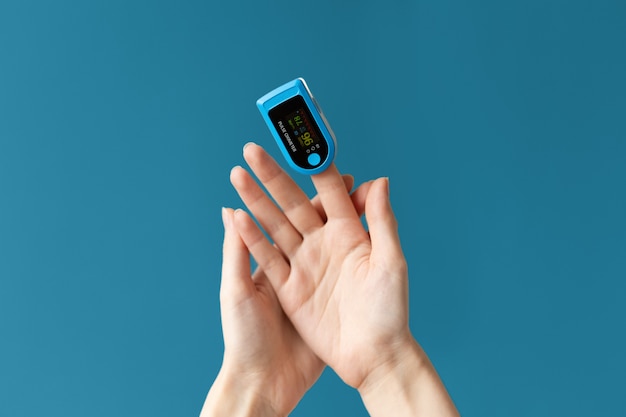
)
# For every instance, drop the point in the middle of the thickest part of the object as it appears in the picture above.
(299, 127)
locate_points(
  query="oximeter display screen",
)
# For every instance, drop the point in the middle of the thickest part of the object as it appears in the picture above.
(299, 133)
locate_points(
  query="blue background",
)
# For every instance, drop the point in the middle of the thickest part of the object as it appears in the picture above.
(500, 124)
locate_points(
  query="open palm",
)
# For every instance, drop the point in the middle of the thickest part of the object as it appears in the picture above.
(342, 287)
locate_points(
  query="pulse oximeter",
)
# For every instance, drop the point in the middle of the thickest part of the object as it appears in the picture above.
(299, 127)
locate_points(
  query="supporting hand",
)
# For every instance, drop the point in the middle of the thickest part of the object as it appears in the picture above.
(267, 367)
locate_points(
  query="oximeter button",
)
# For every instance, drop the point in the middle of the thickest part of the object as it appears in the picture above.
(314, 159)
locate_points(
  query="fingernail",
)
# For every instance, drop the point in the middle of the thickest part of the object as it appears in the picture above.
(248, 144)
(225, 218)
(386, 179)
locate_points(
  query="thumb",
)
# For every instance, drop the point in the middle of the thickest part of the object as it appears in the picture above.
(382, 223)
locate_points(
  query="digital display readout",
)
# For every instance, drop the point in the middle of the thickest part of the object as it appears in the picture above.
(299, 132)
(300, 124)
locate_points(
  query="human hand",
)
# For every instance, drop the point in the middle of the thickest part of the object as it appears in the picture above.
(344, 289)
(267, 367)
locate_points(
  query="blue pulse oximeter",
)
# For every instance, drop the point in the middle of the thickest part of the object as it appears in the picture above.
(299, 127)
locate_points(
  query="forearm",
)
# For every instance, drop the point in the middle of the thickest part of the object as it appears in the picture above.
(228, 397)
(408, 386)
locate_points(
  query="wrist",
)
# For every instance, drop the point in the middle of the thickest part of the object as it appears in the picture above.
(230, 396)
(406, 385)
(405, 363)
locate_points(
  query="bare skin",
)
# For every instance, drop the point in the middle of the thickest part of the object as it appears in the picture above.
(344, 289)
(267, 367)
